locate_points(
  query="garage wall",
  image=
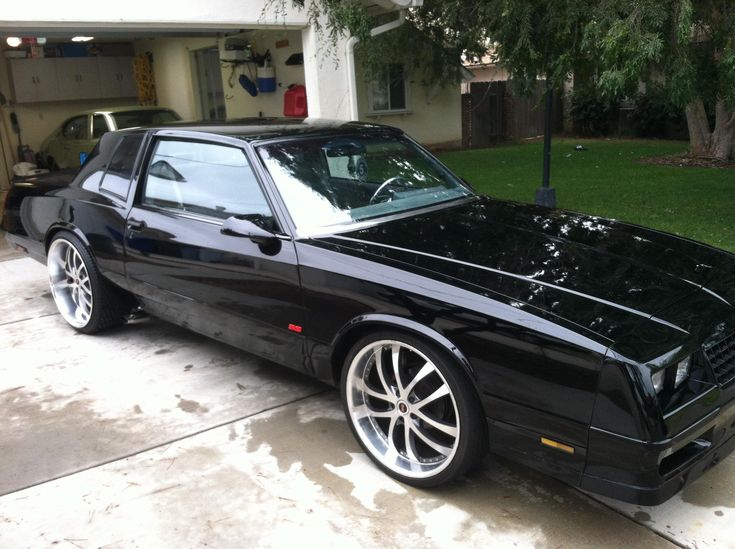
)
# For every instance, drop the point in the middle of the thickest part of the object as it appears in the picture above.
(172, 68)
(175, 86)
(240, 103)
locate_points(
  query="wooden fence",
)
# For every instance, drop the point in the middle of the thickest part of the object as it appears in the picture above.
(491, 113)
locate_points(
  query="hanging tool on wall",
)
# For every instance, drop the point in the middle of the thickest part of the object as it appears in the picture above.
(3, 105)
(248, 85)
(266, 74)
(5, 136)
(25, 153)
(16, 128)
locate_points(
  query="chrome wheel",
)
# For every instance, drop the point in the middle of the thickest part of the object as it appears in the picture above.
(402, 409)
(70, 283)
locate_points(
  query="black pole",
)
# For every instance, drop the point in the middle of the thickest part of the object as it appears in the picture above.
(545, 194)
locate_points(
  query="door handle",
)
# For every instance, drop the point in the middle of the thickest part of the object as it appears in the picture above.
(135, 225)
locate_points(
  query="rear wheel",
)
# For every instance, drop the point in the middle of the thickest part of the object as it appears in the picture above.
(414, 412)
(86, 300)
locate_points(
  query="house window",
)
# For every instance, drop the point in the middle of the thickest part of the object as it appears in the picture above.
(389, 92)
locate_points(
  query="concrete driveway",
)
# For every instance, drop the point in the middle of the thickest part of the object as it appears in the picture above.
(151, 436)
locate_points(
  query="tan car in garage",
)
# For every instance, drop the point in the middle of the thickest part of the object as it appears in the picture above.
(71, 142)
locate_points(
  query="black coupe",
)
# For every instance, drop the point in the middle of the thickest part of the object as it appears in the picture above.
(599, 352)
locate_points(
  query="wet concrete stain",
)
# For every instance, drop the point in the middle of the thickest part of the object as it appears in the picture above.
(500, 497)
(192, 406)
(36, 424)
(222, 361)
(308, 448)
(642, 516)
(716, 488)
(7, 391)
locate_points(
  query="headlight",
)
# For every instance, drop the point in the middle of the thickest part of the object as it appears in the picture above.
(682, 371)
(658, 380)
(671, 376)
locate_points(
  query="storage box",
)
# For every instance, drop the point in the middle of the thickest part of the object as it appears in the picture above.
(73, 50)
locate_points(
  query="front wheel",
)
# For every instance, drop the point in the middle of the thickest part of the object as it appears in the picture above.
(414, 412)
(86, 300)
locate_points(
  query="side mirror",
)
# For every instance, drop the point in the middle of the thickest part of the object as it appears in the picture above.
(235, 226)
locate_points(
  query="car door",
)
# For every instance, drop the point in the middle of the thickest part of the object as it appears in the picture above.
(185, 269)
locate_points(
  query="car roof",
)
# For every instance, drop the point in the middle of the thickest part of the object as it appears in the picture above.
(251, 129)
(125, 108)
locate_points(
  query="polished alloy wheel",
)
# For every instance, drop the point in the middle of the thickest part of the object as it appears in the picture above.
(402, 408)
(70, 283)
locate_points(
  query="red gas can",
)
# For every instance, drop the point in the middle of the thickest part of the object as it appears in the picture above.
(294, 101)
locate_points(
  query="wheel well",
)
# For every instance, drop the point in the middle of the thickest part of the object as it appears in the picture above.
(49, 237)
(345, 343)
(52, 233)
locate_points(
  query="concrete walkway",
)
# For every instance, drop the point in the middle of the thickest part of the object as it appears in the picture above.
(151, 436)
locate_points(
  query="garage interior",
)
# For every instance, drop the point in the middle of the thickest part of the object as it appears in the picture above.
(202, 74)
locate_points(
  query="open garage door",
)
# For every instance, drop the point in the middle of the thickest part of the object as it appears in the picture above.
(60, 94)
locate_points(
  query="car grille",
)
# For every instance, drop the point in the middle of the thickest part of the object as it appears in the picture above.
(721, 357)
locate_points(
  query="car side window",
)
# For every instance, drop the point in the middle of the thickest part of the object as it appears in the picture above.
(120, 170)
(99, 126)
(76, 128)
(205, 178)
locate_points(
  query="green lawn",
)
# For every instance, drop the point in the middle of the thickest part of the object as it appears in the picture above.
(606, 180)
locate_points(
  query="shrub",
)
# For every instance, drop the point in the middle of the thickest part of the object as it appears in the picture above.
(592, 115)
(656, 116)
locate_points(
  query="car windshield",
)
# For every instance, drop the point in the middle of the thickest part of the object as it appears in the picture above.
(144, 117)
(343, 180)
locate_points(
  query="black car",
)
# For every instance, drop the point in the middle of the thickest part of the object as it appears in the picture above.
(599, 352)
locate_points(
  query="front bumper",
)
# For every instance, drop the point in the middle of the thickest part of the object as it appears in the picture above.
(649, 473)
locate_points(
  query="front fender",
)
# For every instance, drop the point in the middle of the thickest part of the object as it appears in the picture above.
(364, 323)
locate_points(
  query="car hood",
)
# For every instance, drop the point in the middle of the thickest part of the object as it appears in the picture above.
(602, 275)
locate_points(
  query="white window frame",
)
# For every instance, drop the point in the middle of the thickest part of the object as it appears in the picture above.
(388, 111)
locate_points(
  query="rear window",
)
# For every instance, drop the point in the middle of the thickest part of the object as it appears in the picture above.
(132, 119)
(120, 170)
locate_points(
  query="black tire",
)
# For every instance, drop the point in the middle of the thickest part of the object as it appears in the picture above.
(109, 304)
(460, 407)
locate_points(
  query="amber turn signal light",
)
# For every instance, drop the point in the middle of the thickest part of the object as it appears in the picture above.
(558, 445)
